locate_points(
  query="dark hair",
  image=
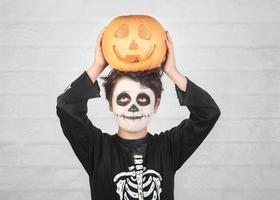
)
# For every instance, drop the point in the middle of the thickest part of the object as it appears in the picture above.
(148, 78)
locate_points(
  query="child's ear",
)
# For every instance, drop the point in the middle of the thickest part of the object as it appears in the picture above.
(156, 105)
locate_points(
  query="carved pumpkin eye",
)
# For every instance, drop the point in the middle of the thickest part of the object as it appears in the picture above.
(143, 32)
(122, 31)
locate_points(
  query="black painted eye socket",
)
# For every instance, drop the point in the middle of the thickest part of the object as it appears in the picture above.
(123, 99)
(143, 99)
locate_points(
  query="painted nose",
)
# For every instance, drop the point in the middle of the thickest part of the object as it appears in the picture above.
(133, 45)
(133, 108)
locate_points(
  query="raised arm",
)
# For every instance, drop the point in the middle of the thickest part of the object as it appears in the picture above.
(71, 109)
(185, 138)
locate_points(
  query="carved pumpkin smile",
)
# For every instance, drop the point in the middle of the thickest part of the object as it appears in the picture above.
(134, 58)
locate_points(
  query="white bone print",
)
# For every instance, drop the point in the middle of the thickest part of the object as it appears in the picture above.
(138, 182)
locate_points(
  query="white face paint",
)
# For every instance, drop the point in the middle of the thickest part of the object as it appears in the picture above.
(132, 104)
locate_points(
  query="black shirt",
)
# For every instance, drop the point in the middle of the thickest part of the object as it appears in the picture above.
(113, 173)
(133, 146)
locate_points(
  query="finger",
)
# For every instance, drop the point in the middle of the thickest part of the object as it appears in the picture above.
(99, 38)
(167, 44)
(169, 47)
(169, 36)
(170, 40)
(169, 50)
(166, 37)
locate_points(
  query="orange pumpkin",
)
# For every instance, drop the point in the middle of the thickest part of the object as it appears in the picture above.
(134, 43)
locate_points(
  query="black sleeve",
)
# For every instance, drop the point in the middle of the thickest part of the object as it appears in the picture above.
(185, 138)
(71, 109)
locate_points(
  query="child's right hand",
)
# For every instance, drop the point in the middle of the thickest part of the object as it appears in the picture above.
(99, 60)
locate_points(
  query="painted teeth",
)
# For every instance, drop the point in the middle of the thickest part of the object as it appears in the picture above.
(133, 117)
(138, 117)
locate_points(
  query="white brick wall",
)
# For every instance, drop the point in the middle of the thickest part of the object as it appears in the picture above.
(230, 48)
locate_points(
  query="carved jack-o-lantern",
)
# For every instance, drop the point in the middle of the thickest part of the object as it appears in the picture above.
(134, 43)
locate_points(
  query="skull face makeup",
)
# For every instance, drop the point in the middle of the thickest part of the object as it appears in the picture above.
(132, 104)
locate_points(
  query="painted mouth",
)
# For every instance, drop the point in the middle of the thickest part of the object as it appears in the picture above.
(134, 58)
(133, 117)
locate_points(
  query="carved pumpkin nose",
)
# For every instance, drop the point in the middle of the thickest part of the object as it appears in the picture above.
(133, 45)
(133, 108)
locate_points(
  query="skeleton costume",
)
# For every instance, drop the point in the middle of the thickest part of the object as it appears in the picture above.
(124, 169)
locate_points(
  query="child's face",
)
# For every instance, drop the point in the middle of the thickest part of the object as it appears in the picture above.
(132, 104)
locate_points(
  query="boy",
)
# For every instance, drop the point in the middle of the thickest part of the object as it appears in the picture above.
(133, 163)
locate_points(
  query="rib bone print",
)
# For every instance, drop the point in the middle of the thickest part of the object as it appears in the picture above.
(138, 182)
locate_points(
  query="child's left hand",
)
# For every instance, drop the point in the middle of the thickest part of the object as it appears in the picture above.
(169, 64)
